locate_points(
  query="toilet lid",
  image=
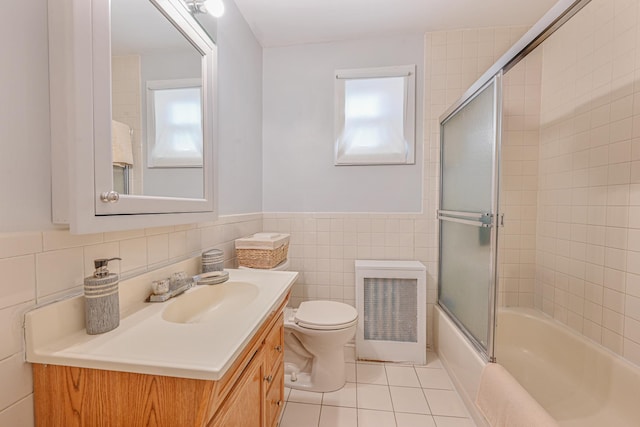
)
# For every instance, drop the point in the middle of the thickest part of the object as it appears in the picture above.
(325, 315)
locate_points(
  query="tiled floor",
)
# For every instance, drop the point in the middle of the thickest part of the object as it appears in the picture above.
(381, 395)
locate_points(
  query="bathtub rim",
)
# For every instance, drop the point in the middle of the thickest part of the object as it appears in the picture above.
(449, 343)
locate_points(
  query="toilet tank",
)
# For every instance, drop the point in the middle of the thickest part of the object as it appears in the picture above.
(391, 299)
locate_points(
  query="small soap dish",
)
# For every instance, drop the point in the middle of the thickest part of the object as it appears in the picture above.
(170, 294)
(211, 278)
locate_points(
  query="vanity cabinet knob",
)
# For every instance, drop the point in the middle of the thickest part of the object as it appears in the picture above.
(279, 403)
(269, 378)
(110, 196)
(278, 348)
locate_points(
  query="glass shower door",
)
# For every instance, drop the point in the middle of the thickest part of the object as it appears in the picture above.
(468, 214)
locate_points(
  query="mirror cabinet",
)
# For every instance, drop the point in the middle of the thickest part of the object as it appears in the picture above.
(133, 120)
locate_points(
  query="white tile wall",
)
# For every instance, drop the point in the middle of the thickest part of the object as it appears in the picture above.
(323, 248)
(36, 267)
(20, 414)
(587, 248)
(519, 182)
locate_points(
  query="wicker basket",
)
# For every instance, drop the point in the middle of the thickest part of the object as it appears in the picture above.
(262, 258)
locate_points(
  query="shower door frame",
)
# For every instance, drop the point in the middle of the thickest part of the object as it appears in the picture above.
(495, 217)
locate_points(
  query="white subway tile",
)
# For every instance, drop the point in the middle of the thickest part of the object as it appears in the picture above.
(11, 336)
(134, 254)
(63, 239)
(16, 380)
(16, 244)
(57, 271)
(177, 244)
(157, 248)
(18, 280)
(20, 414)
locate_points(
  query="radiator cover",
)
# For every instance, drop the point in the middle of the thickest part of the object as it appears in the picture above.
(391, 303)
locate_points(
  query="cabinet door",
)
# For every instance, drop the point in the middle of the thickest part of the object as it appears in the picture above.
(244, 406)
(274, 345)
(275, 398)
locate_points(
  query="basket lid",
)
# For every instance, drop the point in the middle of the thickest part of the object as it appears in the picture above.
(263, 241)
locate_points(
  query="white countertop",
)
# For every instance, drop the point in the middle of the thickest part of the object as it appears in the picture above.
(146, 342)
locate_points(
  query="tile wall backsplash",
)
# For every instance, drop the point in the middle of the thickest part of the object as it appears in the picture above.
(323, 248)
(39, 267)
(519, 182)
(588, 247)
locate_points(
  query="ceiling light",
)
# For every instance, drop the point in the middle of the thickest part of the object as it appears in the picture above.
(212, 7)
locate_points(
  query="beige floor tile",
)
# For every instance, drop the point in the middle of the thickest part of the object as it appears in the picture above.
(445, 402)
(372, 396)
(368, 418)
(408, 399)
(300, 415)
(414, 420)
(301, 396)
(434, 378)
(453, 422)
(404, 376)
(346, 397)
(368, 373)
(333, 416)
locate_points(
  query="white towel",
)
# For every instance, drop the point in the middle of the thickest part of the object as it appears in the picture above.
(505, 403)
(121, 146)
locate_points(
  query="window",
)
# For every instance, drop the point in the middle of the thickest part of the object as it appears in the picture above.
(375, 116)
(174, 123)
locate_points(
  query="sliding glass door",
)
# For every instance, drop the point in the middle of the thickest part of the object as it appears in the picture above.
(470, 139)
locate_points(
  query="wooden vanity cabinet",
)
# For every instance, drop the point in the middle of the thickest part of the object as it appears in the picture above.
(250, 394)
(257, 397)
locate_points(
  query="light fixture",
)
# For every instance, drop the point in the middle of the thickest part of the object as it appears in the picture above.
(212, 7)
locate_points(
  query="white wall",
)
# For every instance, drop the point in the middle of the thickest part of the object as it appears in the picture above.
(25, 173)
(239, 115)
(299, 174)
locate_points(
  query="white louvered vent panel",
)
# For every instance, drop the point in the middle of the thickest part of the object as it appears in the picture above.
(390, 310)
(391, 302)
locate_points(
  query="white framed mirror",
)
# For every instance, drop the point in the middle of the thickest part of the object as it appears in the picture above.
(133, 124)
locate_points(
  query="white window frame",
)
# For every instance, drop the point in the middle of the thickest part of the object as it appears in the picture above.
(152, 87)
(342, 76)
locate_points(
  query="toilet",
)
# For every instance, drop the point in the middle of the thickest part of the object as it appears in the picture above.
(314, 338)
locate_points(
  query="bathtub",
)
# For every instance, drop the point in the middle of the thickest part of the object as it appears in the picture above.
(461, 360)
(577, 381)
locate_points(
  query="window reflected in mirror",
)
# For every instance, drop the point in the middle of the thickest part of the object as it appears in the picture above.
(157, 132)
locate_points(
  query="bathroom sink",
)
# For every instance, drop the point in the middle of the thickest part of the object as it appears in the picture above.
(210, 303)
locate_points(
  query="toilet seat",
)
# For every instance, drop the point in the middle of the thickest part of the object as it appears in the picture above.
(325, 315)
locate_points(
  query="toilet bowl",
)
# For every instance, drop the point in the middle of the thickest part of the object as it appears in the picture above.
(314, 339)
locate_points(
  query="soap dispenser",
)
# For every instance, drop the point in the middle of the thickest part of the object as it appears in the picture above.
(102, 305)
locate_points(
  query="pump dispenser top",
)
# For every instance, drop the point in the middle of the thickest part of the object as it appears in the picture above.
(102, 266)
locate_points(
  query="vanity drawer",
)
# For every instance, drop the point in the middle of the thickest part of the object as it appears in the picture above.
(275, 398)
(274, 345)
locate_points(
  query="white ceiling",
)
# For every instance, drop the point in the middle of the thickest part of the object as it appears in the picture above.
(287, 22)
